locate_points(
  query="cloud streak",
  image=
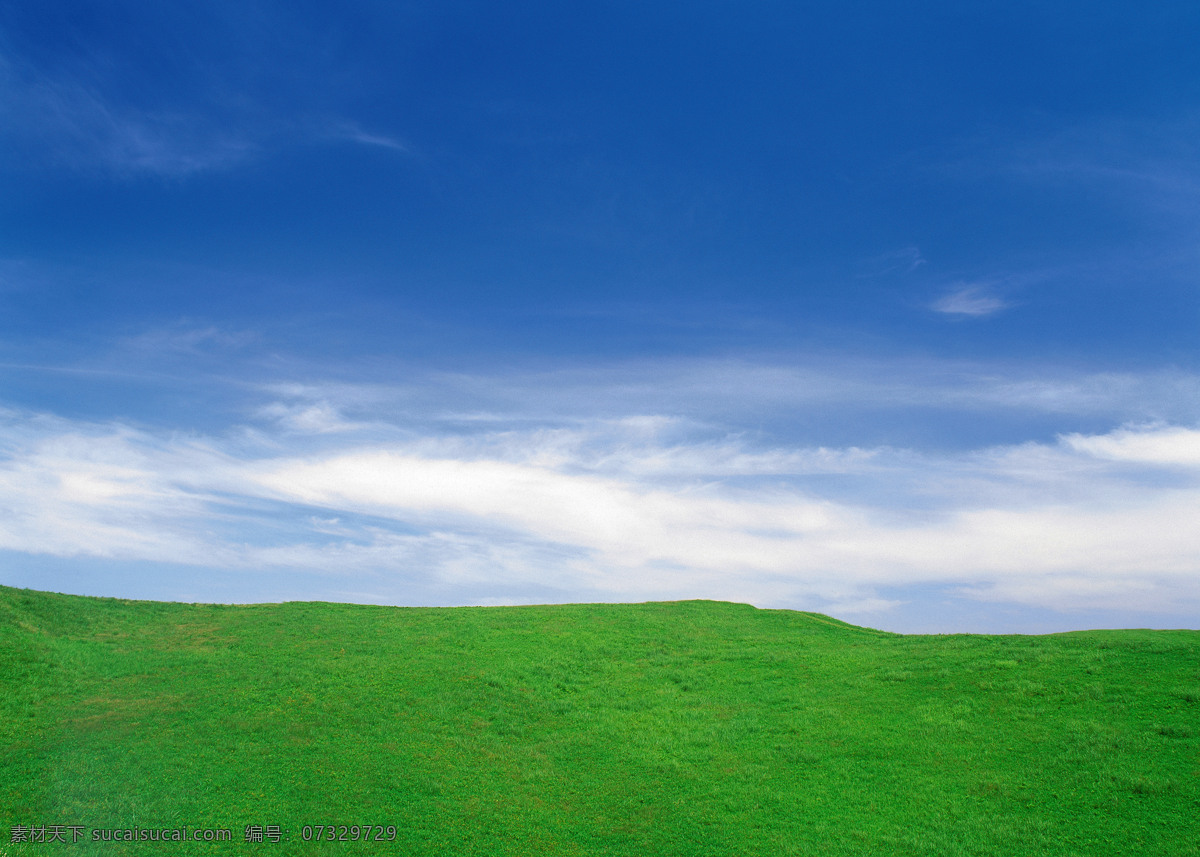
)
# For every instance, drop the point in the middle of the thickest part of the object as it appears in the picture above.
(354, 133)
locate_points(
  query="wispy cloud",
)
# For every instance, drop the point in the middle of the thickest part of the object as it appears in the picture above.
(185, 338)
(67, 121)
(902, 261)
(969, 301)
(735, 393)
(62, 119)
(1146, 167)
(345, 130)
(1151, 160)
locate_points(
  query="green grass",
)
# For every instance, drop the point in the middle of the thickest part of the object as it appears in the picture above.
(690, 728)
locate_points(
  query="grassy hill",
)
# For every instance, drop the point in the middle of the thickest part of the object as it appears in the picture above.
(690, 728)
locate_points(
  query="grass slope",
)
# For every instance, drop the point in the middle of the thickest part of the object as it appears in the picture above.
(691, 728)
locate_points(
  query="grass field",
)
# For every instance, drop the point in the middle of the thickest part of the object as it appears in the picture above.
(689, 728)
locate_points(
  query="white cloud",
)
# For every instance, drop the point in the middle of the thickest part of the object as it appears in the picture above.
(316, 418)
(77, 490)
(1164, 445)
(969, 301)
(622, 522)
(620, 511)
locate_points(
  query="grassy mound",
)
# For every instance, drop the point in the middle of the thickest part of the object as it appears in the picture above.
(690, 728)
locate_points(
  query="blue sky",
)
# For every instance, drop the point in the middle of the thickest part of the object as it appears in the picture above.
(888, 310)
